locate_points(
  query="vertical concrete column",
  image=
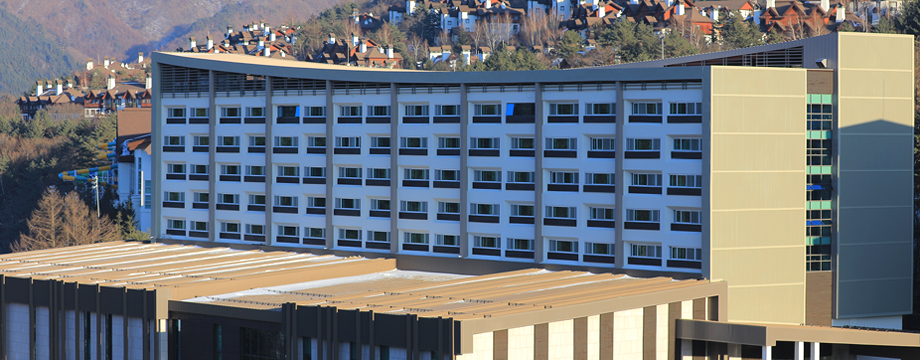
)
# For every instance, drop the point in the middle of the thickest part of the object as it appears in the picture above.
(212, 166)
(539, 246)
(766, 353)
(799, 350)
(620, 182)
(464, 171)
(269, 166)
(330, 150)
(394, 171)
(157, 154)
(815, 351)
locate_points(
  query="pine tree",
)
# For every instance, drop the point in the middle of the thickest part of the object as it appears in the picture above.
(909, 17)
(738, 33)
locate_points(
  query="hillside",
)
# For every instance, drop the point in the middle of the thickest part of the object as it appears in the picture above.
(122, 28)
(35, 55)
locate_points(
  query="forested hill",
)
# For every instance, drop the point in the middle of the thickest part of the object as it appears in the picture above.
(30, 54)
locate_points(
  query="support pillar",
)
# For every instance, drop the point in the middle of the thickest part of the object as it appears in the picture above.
(734, 352)
(815, 351)
(799, 350)
(767, 353)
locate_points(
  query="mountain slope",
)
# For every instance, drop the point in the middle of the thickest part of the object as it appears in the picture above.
(30, 55)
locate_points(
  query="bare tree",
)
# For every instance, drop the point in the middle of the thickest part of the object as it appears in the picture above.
(417, 47)
(45, 224)
(63, 221)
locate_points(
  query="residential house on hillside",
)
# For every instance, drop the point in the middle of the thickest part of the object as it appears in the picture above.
(797, 19)
(117, 96)
(502, 18)
(48, 95)
(256, 39)
(357, 52)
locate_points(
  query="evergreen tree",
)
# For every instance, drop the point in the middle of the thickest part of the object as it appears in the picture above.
(775, 37)
(677, 45)
(845, 26)
(570, 43)
(738, 33)
(884, 26)
(909, 18)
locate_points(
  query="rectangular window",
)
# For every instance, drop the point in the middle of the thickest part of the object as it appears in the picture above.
(198, 169)
(175, 168)
(350, 110)
(175, 112)
(320, 172)
(413, 206)
(646, 179)
(198, 226)
(686, 108)
(416, 110)
(316, 202)
(287, 230)
(686, 144)
(378, 173)
(314, 111)
(230, 227)
(199, 112)
(378, 110)
(174, 196)
(487, 176)
(447, 110)
(176, 140)
(599, 178)
(285, 201)
(484, 143)
(521, 109)
(447, 240)
(643, 144)
(603, 144)
(255, 170)
(201, 197)
(316, 141)
(525, 177)
(600, 109)
(445, 207)
(489, 242)
(230, 112)
(254, 229)
(199, 140)
(288, 170)
(255, 112)
(522, 210)
(256, 199)
(286, 141)
(231, 199)
(378, 236)
(380, 142)
(689, 181)
(448, 142)
(637, 215)
(416, 174)
(415, 238)
(229, 169)
(563, 246)
(644, 250)
(563, 177)
(256, 141)
(447, 175)
(601, 213)
(380, 204)
(228, 141)
(646, 108)
(686, 217)
(561, 143)
(349, 172)
(348, 141)
(485, 209)
(314, 232)
(349, 234)
(599, 249)
(173, 224)
(288, 111)
(347, 204)
(520, 244)
(487, 110)
(563, 109)
(680, 253)
(560, 212)
(522, 143)
(413, 142)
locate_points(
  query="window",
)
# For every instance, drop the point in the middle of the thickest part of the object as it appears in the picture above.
(173, 224)
(599, 178)
(522, 210)
(230, 112)
(413, 142)
(256, 199)
(522, 143)
(600, 109)
(646, 179)
(487, 109)
(288, 170)
(349, 234)
(447, 110)
(686, 108)
(563, 109)
(285, 201)
(349, 172)
(175, 112)
(686, 253)
(256, 141)
(255, 112)
(560, 143)
(201, 197)
(348, 204)
(413, 206)
(416, 174)
(378, 173)
(520, 244)
(563, 177)
(176, 140)
(314, 233)
(199, 140)
(320, 172)
(314, 111)
(686, 217)
(198, 226)
(642, 215)
(316, 202)
(600, 213)
(643, 250)
(228, 141)
(232, 199)
(447, 175)
(230, 227)
(287, 230)
(416, 110)
(288, 111)
(175, 168)
(484, 143)
(686, 144)
(255, 170)
(447, 240)
(445, 207)
(415, 238)
(560, 212)
(487, 176)
(599, 249)
(522, 109)
(689, 181)
(253, 229)
(643, 144)
(347, 141)
(380, 142)
(525, 177)
(563, 246)
(603, 144)
(198, 169)
(380, 204)
(485, 209)
(286, 141)
(448, 143)
(642, 108)
(491, 242)
(199, 112)
(229, 169)
(174, 196)
(378, 236)
(350, 110)
(316, 141)
(378, 110)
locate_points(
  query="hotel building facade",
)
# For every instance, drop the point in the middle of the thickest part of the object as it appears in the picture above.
(784, 170)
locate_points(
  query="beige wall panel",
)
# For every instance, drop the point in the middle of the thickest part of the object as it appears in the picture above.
(872, 84)
(890, 145)
(520, 343)
(875, 189)
(746, 152)
(851, 223)
(760, 228)
(759, 190)
(748, 114)
(873, 116)
(875, 51)
(725, 80)
(768, 264)
(782, 304)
